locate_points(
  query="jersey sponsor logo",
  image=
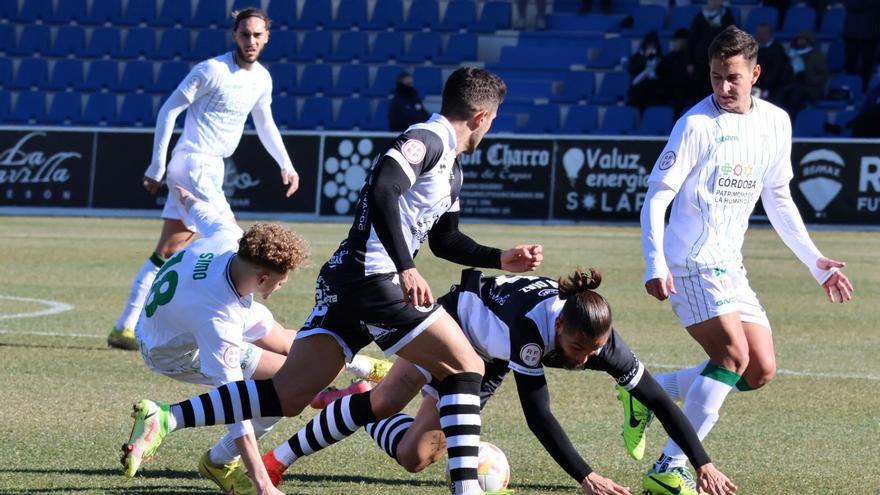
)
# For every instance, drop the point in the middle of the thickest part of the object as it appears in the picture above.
(667, 160)
(530, 354)
(726, 138)
(232, 357)
(548, 292)
(414, 151)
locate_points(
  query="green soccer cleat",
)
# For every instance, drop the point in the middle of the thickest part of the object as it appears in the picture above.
(636, 418)
(379, 370)
(150, 427)
(231, 478)
(676, 481)
(503, 491)
(122, 339)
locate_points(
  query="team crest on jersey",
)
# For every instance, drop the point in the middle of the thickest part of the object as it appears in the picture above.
(530, 354)
(414, 151)
(232, 357)
(667, 160)
(193, 83)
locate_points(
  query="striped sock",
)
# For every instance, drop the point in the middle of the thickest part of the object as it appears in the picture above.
(388, 432)
(460, 420)
(228, 404)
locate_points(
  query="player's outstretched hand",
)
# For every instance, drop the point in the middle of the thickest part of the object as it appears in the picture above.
(522, 258)
(151, 185)
(415, 288)
(838, 288)
(596, 484)
(291, 180)
(661, 288)
(713, 481)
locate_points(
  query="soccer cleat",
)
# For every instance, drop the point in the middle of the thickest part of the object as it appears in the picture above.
(676, 481)
(503, 491)
(122, 339)
(636, 418)
(379, 370)
(231, 478)
(330, 394)
(274, 467)
(150, 427)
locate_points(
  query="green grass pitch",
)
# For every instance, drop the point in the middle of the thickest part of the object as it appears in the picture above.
(66, 397)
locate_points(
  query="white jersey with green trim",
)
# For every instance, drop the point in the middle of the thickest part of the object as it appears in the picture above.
(193, 304)
(718, 162)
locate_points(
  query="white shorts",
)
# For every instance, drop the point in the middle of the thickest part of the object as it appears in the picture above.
(714, 292)
(200, 174)
(185, 366)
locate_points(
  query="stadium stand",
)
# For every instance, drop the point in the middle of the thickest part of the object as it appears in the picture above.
(100, 109)
(350, 14)
(66, 74)
(316, 113)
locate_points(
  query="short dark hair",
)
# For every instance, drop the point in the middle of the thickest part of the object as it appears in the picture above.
(469, 90)
(245, 13)
(733, 41)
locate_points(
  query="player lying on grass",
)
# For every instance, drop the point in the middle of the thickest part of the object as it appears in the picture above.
(201, 324)
(523, 324)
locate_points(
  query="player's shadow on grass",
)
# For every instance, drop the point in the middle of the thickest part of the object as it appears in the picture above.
(165, 489)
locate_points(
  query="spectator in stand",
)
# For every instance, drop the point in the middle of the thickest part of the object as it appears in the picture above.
(861, 33)
(406, 106)
(810, 73)
(540, 14)
(706, 25)
(776, 71)
(645, 87)
(587, 6)
(865, 123)
(676, 83)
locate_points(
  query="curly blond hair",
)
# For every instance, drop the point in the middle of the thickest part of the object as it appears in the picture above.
(274, 247)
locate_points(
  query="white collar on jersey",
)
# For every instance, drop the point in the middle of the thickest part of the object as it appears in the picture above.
(721, 110)
(452, 142)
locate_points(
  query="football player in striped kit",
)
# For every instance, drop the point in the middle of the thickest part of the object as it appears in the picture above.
(523, 324)
(726, 152)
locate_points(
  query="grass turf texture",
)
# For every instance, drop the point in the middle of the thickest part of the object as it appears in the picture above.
(66, 396)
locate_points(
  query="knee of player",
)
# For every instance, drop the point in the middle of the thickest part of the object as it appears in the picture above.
(292, 404)
(736, 359)
(763, 376)
(384, 405)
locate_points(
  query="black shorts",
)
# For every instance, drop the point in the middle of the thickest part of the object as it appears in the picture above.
(368, 309)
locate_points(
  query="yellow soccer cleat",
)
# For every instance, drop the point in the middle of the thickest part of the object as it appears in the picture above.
(231, 478)
(122, 339)
(636, 418)
(676, 481)
(150, 427)
(378, 370)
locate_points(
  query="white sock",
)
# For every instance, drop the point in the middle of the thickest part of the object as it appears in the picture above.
(137, 295)
(360, 366)
(225, 450)
(284, 454)
(677, 383)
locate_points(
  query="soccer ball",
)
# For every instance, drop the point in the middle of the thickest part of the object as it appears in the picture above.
(493, 471)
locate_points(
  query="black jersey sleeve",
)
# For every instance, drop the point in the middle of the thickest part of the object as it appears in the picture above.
(616, 359)
(450, 243)
(388, 183)
(535, 400)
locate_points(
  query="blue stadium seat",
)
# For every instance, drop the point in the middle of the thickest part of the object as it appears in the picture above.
(316, 112)
(797, 19)
(209, 43)
(423, 14)
(656, 121)
(543, 119)
(315, 78)
(171, 74)
(459, 48)
(210, 13)
(423, 47)
(874, 81)
(5, 72)
(611, 53)
(139, 12)
(459, 15)
(494, 16)
(613, 88)
(66, 108)
(105, 42)
(7, 38)
(527, 90)
(619, 120)
(100, 109)
(34, 40)
(33, 10)
(354, 114)
(681, 18)
(836, 56)
(349, 14)
(66, 74)
(104, 11)
(69, 40)
(30, 108)
(315, 13)
(810, 122)
(137, 76)
(69, 10)
(351, 79)
(832, 23)
(385, 80)
(32, 73)
(847, 82)
(379, 122)
(504, 123)
(843, 118)
(284, 111)
(581, 119)
(5, 105)
(8, 10)
(316, 45)
(428, 80)
(760, 15)
(101, 75)
(281, 46)
(137, 110)
(174, 44)
(387, 46)
(589, 23)
(351, 46)
(283, 78)
(646, 18)
(577, 86)
(139, 42)
(243, 4)
(282, 12)
(387, 14)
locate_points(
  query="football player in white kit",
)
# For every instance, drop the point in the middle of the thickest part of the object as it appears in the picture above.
(218, 95)
(726, 152)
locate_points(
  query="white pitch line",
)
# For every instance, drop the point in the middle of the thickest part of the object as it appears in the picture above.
(781, 371)
(51, 334)
(54, 307)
